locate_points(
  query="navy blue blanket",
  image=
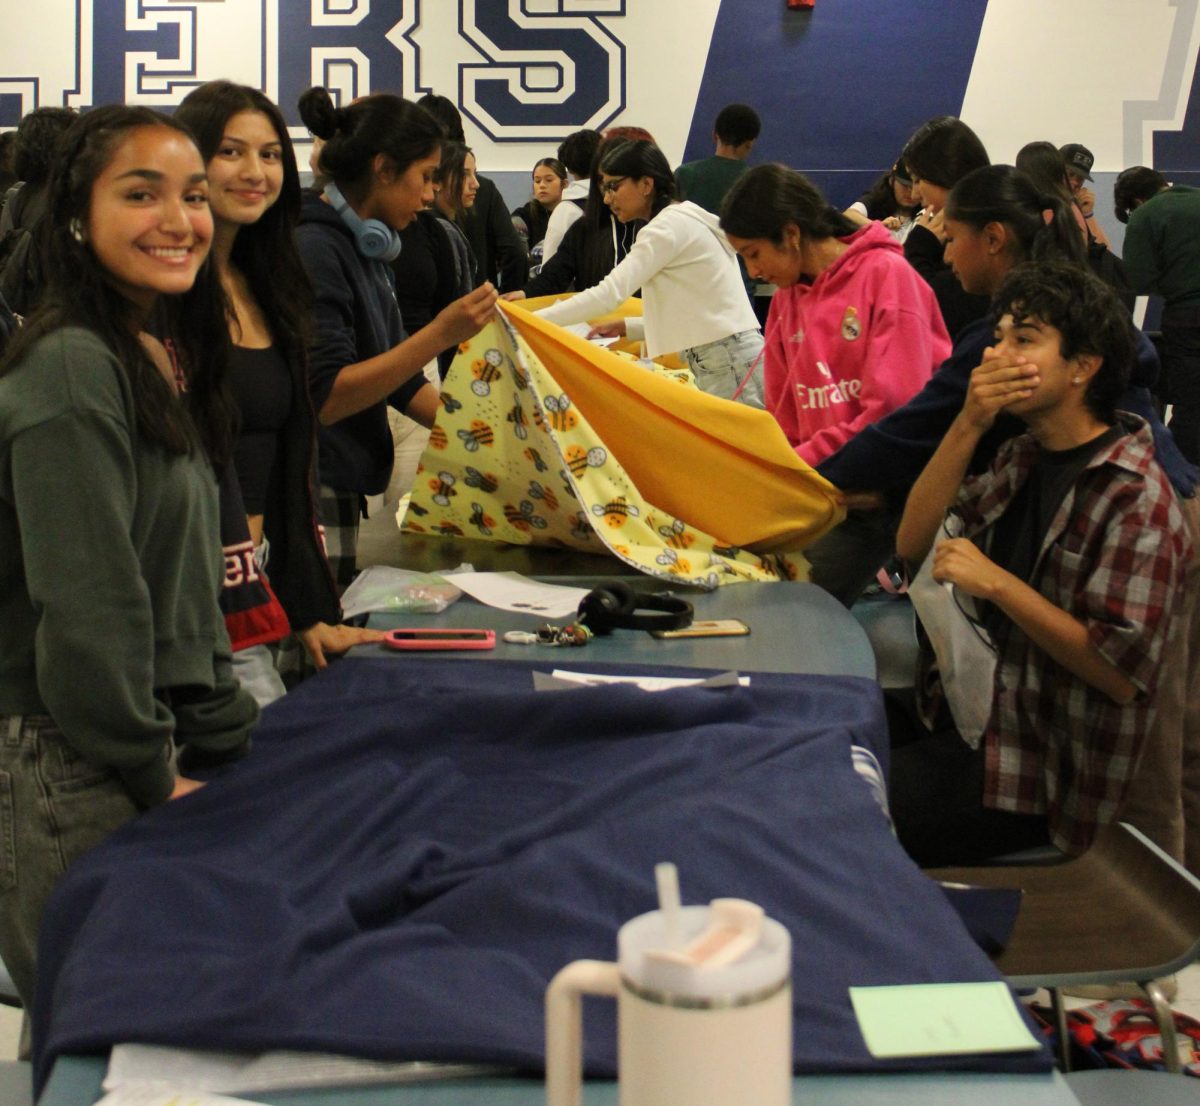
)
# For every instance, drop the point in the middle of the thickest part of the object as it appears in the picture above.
(411, 852)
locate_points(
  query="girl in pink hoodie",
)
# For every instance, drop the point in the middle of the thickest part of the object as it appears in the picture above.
(854, 331)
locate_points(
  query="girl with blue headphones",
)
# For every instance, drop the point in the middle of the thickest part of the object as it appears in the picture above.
(378, 160)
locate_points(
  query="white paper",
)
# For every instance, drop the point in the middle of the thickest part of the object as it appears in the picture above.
(165, 1095)
(651, 683)
(581, 329)
(510, 591)
(145, 1068)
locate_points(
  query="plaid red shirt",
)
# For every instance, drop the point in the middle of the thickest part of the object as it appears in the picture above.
(1114, 558)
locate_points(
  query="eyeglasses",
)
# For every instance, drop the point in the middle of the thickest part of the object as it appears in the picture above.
(608, 187)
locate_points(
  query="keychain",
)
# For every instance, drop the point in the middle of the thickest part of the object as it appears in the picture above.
(572, 635)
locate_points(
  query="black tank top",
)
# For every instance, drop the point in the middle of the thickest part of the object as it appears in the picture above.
(262, 386)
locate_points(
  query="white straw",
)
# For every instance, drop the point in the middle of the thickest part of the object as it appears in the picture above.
(666, 875)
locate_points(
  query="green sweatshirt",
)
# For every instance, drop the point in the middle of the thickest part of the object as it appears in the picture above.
(110, 568)
(1162, 246)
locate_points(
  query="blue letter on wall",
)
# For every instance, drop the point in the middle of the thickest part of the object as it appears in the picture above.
(547, 72)
(342, 46)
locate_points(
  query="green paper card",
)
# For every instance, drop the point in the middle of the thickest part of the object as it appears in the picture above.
(940, 1019)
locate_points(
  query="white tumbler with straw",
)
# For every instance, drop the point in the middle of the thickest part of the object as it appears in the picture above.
(704, 1007)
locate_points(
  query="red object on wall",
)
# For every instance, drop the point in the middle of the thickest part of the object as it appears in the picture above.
(801, 3)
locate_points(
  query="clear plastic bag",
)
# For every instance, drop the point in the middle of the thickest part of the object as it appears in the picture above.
(380, 588)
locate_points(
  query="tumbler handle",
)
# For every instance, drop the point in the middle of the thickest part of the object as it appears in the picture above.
(564, 1025)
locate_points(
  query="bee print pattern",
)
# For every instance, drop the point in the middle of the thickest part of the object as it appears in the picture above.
(535, 457)
(677, 535)
(483, 523)
(674, 563)
(437, 438)
(536, 491)
(580, 527)
(443, 488)
(517, 417)
(558, 413)
(449, 403)
(486, 371)
(448, 529)
(579, 459)
(616, 512)
(479, 434)
(522, 517)
(484, 481)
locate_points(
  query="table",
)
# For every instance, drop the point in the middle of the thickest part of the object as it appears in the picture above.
(76, 1082)
(795, 628)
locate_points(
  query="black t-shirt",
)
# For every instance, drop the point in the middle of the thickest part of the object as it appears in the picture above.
(1017, 535)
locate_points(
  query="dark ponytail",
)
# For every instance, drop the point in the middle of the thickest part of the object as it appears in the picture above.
(354, 136)
(765, 199)
(1005, 195)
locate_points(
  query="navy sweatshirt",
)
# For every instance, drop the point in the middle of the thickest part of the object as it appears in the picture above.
(889, 455)
(355, 318)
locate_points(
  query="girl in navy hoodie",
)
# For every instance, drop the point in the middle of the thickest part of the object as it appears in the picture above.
(379, 156)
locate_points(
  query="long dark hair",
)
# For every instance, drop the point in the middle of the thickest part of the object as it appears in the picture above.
(638, 159)
(943, 151)
(80, 291)
(449, 175)
(598, 255)
(264, 252)
(354, 136)
(1005, 195)
(1042, 163)
(765, 199)
(880, 199)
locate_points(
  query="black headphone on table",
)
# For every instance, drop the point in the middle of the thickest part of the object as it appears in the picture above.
(616, 606)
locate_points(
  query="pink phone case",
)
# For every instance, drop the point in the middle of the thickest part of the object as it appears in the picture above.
(440, 639)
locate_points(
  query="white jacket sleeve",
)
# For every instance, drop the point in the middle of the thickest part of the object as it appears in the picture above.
(656, 247)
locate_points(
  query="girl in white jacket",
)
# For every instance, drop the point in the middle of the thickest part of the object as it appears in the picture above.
(694, 300)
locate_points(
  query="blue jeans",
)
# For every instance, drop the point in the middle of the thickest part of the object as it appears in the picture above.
(721, 367)
(54, 806)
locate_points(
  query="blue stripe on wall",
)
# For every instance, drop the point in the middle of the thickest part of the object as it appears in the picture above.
(841, 87)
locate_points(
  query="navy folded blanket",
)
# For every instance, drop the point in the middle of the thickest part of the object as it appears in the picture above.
(411, 851)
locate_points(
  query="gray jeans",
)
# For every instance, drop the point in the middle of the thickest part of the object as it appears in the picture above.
(54, 806)
(724, 366)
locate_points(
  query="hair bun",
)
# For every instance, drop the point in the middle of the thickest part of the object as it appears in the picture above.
(318, 113)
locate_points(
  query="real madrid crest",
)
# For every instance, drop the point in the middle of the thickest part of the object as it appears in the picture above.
(851, 325)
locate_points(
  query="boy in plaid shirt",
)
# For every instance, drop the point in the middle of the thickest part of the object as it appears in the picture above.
(1074, 549)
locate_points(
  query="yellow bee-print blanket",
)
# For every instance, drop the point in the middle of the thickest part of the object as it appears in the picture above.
(544, 437)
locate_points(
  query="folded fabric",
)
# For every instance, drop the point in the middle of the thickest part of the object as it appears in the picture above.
(545, 437)
(411, 852)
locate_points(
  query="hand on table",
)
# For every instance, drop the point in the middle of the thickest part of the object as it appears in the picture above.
(321, 639)
(614, 329)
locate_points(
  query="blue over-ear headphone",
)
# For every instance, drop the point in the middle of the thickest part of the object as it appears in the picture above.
(374, 238)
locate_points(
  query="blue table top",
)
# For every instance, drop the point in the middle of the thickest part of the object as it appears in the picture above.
(76, 1082)
(794, 628)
